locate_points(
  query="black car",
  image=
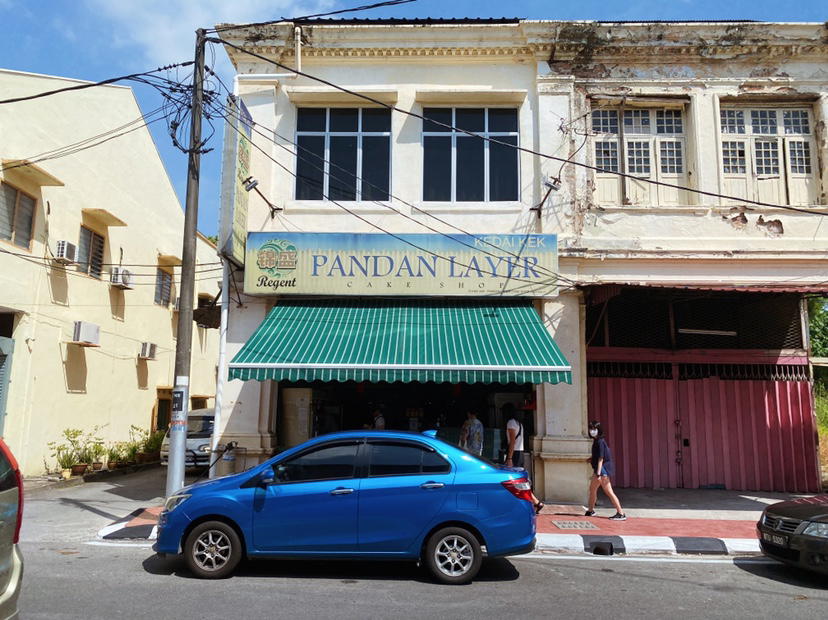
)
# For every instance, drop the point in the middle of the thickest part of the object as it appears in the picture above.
(796, 532)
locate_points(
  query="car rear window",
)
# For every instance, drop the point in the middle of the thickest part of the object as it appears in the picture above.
(199, 426)
(400, 459)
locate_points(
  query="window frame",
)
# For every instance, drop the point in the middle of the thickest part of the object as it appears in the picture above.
(782, 140)
(629, 138)
(86, 268)
(423, 447)
(10, 240)
(158, 274)
(453, 134)
(359, 134)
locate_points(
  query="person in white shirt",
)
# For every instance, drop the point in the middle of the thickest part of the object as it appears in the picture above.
(514, 434)
(379, 420)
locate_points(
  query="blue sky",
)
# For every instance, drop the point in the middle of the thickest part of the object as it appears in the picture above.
(98, 39)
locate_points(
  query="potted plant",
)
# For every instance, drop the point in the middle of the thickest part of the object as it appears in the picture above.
(97, 452)
(64, 456)
(138, 439)
(152, 446)
(113, 456)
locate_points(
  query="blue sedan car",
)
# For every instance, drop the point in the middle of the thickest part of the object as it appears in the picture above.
(370, 494)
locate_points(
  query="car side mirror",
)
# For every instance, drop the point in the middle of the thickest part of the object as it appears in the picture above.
(267, 478)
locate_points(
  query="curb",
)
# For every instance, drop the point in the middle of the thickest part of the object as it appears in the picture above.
(670, 545)
(93, 476)
(140, 524)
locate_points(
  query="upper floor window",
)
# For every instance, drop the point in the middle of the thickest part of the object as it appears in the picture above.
(463, 168)
(16, 216)
(645, 142)
(163, 287)
(90, 252)
(768, 154)
(343, 153)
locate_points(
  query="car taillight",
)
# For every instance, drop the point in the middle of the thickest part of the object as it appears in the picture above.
(519, 487)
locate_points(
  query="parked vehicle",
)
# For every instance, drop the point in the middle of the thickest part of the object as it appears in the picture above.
(199, 432)
(356, 495)
(796, 532)
(11, 516)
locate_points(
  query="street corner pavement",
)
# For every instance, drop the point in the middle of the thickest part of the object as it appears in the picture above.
(563, 529)
(140, 524)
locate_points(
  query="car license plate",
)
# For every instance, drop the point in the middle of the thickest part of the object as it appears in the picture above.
(775, 539)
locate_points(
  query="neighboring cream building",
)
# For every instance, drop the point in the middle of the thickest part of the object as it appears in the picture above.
(679, 312)
(65, 224)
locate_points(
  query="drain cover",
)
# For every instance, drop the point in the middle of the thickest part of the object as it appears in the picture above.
(575, 525)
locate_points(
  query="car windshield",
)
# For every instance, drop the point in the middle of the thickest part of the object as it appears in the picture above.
(199, 426)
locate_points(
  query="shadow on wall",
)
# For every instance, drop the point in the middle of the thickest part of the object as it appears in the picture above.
(117, 304)
(142, 374)
(74, 368)
(58, 285)
(174, 325)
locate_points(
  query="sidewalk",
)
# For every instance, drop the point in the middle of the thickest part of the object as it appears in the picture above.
(659, 522)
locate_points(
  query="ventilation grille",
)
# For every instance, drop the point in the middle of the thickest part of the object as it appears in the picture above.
(744, 372)
(630, 370)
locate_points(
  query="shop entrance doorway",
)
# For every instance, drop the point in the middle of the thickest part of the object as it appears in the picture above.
(333, 406)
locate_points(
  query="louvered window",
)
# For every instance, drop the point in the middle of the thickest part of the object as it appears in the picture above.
(163, 287)
(16, 216)
(90, 252)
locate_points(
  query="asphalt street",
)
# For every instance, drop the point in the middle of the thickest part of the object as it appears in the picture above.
(69, 574)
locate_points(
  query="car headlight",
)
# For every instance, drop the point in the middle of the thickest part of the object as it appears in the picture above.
(173, 501)
(817, 529)
(205, 447)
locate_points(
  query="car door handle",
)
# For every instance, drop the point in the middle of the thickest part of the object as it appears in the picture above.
(341, 491)
(432, 485)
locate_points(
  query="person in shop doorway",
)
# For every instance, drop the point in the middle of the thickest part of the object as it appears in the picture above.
(514, 435)
(602, 470)
(379, 421)
(471, 434)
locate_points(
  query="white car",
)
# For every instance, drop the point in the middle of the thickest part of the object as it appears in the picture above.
(199, 433)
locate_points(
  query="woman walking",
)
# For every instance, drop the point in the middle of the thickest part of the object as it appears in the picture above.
(602, 469)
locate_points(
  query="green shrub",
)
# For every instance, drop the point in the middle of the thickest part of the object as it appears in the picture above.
(821, 407)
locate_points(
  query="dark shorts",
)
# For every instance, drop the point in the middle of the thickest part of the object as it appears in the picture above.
(517, 458)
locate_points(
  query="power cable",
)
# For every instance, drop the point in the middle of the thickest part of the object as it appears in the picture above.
(514, 146)
(307, 17)
(131, 76)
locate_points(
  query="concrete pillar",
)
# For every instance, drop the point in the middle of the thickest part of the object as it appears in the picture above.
(562, 450)
(245, 411)
(702, 142)
(821, 131)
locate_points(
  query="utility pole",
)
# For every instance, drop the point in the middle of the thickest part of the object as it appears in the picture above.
(183, 348)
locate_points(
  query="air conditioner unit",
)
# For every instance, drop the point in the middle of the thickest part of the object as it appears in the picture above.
(86, 334)
(121, 278)
(66, 253)
(147, 351)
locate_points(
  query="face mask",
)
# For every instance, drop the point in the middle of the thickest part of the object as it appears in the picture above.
(593, 432)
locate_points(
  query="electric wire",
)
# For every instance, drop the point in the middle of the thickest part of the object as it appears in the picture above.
(513, 146)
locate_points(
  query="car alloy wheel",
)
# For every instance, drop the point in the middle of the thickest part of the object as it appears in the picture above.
(453, 555)
(212, 550)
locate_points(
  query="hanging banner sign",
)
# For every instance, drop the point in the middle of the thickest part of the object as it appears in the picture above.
(235, 169)
(283, 263)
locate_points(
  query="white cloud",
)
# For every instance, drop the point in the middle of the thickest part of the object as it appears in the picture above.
(163, 31)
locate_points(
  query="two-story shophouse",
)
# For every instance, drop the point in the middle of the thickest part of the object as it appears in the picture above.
(612, 221)
(90, 246)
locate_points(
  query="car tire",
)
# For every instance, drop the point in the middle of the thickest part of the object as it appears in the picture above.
(212, 550)
(453, 555)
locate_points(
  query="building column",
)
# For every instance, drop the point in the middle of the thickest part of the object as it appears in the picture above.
(561, 445)
(246, 407)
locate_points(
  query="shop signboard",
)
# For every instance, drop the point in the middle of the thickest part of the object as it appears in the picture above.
(333, 264)
(235, 169)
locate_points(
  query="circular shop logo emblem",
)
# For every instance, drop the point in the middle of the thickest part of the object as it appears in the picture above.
(276, 257)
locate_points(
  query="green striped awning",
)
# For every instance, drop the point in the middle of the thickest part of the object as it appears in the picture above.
(404, 340)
